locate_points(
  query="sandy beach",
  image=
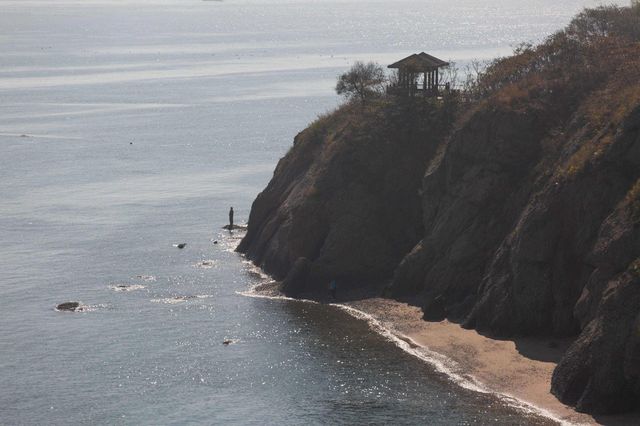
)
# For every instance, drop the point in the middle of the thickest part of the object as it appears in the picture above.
(518, 369)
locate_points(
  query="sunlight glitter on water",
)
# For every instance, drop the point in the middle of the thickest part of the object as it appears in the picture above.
(143, 122)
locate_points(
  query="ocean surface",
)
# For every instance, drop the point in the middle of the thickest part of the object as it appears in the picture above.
(127, 127)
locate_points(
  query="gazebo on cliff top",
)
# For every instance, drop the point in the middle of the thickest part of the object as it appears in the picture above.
(418, 73)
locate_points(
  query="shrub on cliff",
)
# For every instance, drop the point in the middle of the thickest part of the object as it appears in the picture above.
(583, 55)
(362, 81)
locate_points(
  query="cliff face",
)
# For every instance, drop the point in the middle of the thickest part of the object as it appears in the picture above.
(344, 202)
(531, 212)
(524, 236)
(528, 218)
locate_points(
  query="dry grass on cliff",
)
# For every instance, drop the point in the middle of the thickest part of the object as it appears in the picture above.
(596, 43)
(635, 268)
(632, 201)
(382, 117)
(590, 70)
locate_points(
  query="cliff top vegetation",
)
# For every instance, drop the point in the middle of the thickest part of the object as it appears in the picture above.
(599, 47)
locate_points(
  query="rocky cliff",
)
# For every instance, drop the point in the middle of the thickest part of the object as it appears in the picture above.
(344, 202)
(519, 217)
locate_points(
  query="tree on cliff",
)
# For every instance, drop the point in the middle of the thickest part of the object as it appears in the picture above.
(362, 81)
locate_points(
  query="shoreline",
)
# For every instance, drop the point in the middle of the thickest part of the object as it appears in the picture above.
(473, 361)
(517, 371)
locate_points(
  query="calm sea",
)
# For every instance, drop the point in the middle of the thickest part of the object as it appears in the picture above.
(127, 127)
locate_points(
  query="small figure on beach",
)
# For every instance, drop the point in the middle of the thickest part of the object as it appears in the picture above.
(333, 288)
(230, 218)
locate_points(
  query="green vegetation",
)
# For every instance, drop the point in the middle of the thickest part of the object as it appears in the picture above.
(362, 81)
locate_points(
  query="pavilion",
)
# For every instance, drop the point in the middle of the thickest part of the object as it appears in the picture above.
(418, 73)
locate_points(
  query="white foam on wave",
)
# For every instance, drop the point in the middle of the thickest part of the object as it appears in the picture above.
(229, 241)
(258, 291)
(445, 365)
(441, 363)
(256, 270)
(256, 294)
(146, 277)
(169, 300)
(180, 299)
(126, 287)
(206, 264)
(202, 296)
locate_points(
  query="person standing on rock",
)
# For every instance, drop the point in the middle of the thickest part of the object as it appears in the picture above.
(230, 218)
(333, 288)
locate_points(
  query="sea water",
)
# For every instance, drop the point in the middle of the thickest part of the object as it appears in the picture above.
(127, 127)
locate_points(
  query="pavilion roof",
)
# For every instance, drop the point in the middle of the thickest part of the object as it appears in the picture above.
(419, 62)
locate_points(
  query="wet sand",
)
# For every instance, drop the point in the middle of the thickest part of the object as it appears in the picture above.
(520, 369)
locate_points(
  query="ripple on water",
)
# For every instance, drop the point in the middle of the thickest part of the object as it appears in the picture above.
(126, 287)
(146, 277)
(206, 264)
(180, 299)
(230, 240)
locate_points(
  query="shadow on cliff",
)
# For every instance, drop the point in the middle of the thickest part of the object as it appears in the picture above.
(344, 203)
(519, 216)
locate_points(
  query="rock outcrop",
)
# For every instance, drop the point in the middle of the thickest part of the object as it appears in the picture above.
(344, 202)
(519, 217)
(70, 306)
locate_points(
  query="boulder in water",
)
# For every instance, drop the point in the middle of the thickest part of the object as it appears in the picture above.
(68, 306)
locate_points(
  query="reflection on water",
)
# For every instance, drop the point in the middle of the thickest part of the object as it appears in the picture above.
(358, 376)
(128, 126)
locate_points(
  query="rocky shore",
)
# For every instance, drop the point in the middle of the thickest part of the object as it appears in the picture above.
(516, 213)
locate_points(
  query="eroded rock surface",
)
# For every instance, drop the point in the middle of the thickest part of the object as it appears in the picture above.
(345, 198)
(521, 217)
